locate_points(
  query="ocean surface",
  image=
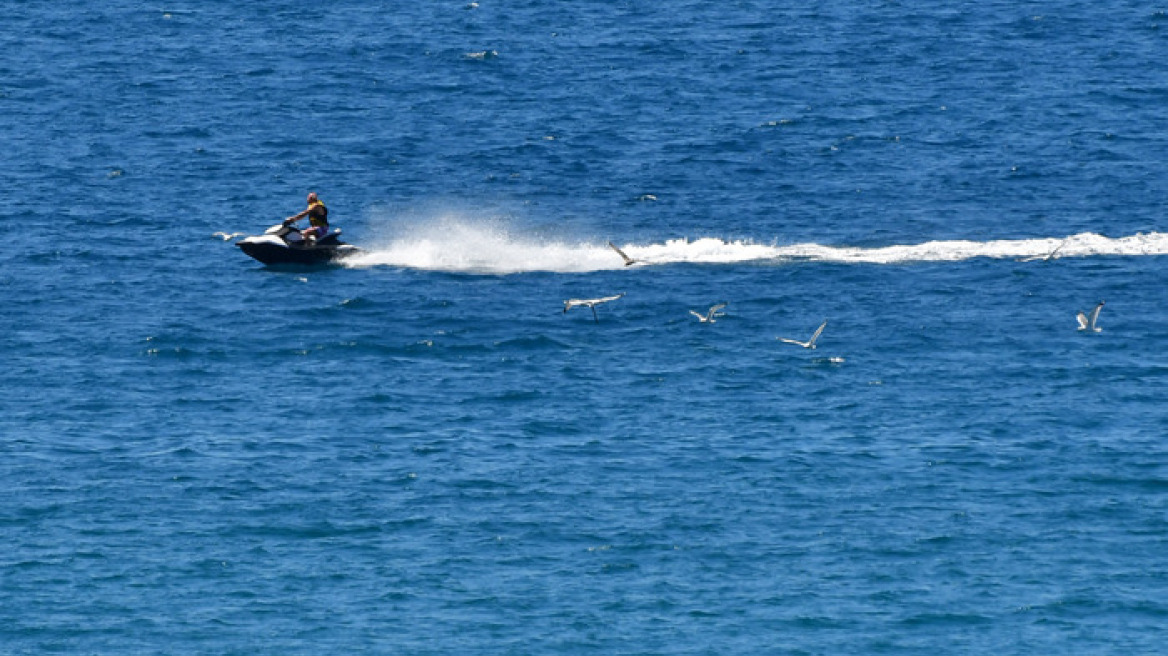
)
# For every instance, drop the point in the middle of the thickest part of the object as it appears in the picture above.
(421, 452)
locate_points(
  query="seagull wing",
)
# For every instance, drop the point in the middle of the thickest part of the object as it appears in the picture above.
(628, 260)
(607, 299)
(1095, 315)
(1082, 321)
(793, 341)
(818, 332)
(716, 310)
(700, 317)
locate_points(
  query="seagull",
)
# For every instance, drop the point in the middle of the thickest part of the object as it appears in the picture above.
(1087, 323)
(1053, 255)
(628, 260)
(714, 311)
(589, 303)
(227, 237)
(809, 343)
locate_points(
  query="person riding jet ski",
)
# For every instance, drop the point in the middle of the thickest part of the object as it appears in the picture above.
(285, 244)
(317, 215)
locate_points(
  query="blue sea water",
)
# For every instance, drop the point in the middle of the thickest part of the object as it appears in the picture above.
(422, 452)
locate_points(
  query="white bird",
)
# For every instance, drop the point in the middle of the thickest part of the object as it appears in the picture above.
(589, 303)
(713, 312)
(227, 237)
(809, 343)
(628, 260)
(1087, 323)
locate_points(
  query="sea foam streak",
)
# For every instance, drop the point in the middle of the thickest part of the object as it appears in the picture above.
(486, 247)
(469, 247)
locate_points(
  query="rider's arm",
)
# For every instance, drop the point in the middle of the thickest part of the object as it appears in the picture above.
(297, 217)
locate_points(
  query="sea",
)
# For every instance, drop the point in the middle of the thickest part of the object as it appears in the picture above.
(423, 449)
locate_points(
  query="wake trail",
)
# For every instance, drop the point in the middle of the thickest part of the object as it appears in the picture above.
(478, 249)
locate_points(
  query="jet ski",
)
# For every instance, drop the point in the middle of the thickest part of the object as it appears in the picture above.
(284, 244)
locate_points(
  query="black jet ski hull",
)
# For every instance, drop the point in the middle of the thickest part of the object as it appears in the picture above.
(273, 250)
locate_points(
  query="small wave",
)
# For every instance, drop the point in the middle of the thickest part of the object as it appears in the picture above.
(536, 343)
(459, 246)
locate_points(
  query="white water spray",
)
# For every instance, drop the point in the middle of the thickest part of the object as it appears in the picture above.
(492, 248)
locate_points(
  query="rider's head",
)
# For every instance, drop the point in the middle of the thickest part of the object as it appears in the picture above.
(312, 196)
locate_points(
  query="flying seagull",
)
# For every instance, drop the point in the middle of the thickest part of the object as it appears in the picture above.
(628, 260)
(589, 303)
(809, 343)
(713, 312)
(227, 236)
(1087, 323)
(1053, 255)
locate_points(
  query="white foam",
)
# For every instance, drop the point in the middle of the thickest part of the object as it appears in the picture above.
(484, 247)
(491, 247)
(1081, 245)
